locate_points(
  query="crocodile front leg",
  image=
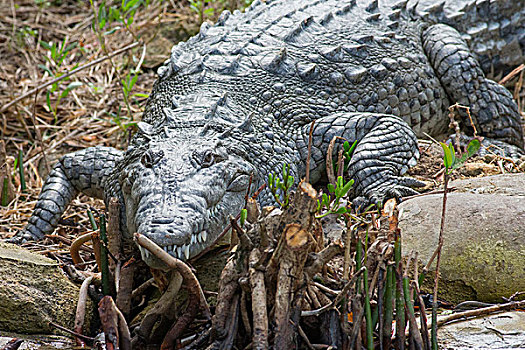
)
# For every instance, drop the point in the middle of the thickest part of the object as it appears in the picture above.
(84, 171)
(386, 148)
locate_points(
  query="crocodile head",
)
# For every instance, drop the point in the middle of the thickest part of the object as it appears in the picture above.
(180, 190)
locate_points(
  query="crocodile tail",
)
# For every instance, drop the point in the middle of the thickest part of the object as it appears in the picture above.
(493, 29)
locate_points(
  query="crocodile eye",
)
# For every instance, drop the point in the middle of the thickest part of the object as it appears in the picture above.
(209, 158)
(146, 160)
(150, 158)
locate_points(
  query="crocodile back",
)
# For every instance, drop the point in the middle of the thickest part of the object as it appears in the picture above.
(292, 62)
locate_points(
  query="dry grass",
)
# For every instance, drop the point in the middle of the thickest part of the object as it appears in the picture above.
(92, 114)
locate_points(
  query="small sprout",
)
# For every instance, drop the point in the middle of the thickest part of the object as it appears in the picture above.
(333, 206)
(280, 187)
(450, 160)
(244, 215)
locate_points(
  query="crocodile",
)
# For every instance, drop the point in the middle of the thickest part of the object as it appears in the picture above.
(237, 101)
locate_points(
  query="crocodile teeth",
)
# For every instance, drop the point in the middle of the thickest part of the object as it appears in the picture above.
(165, 248)
(179, 252)
(193, 239)
(199, 237)
(187, 251)
(204, 236)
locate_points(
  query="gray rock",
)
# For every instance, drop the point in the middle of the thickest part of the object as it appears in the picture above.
(484, 242)
(38, 342)
(33, 292)
(500, 331)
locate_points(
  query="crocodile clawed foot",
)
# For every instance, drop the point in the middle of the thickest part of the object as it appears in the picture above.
(20, 238)
(397, 188)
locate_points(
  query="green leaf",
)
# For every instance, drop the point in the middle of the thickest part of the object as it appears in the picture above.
(447, 157)
(244, 215)
(347, 188)
(127, 4)
(109, 32)
(346, 146)
(473, 147)
(453, 153)
(102, 17)
(339, 182)
(48, 99)
(54, 87)
(71, 46)
(45, 45)
(325, 199)
(331, 188)
(46, 69)
(73, 85)
(290, 181)
(341, 210)
(209, 11)
(351, 150)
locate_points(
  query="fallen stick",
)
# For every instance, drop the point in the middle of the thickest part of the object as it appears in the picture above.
(480, 312)
(80, 315)
(64, 329)
(75, 248)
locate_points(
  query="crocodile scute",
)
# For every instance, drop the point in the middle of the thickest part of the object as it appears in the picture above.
(238, 99)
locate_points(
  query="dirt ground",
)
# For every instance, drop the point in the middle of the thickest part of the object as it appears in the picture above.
(41, 40)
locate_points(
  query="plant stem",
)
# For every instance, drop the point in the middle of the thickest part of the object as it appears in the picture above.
(104, 269)
(21, 171)
(368, 314)
(92, 220)
(5, 185)
(438, 259)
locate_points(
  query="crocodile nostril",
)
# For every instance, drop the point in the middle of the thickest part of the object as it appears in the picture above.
(162, 221)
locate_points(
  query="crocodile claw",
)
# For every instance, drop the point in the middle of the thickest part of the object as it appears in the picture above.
(397, 187)
(20, 238)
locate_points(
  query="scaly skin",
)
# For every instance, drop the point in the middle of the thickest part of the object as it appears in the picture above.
(238, 99)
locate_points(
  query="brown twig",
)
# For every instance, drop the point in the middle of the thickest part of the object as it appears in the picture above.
(75, 248)
(80, 315)
(64, 329)
(512, 74)
(176, 264)
(337, 299)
